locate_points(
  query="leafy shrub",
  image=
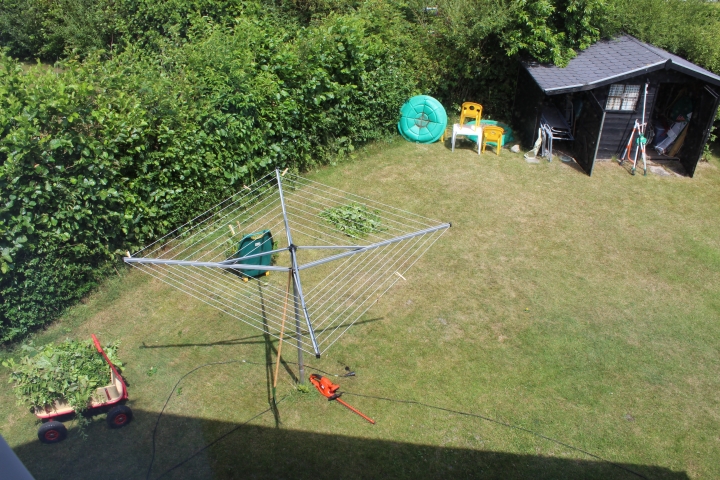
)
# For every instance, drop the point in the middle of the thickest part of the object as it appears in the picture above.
(105, 155)
(70, 371)
(49, 29)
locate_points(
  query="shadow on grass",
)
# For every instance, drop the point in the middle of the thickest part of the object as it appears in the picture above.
(252, 451)
(250, 340)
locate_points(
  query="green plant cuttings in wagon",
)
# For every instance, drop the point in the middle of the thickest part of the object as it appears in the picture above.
(353, 219)
(70, 371)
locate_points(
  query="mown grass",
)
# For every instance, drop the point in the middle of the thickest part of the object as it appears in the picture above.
(584, 309)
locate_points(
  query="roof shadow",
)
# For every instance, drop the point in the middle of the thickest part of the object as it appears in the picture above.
(188, 447)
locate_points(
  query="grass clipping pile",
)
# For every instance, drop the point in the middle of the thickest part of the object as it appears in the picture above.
(70, 371)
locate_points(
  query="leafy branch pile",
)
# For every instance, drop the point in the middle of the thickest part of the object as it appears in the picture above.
(72, 371)
(354, 219)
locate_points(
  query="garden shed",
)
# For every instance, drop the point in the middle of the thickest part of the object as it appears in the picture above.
(597, 97)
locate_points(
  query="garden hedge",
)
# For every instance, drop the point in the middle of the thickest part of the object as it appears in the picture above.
(104, 155)
(157, 110)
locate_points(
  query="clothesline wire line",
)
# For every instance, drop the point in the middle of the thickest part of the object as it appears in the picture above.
(307, 345)
(231, 217)
(437, 237)
(212, 281)
(295, 214)
(205, 290)
(321, 200)
(362, 288)
(181, 244)
(222, 247)
(223, 221)
(354, 286)
(341, 286)
(352, 275)
(205, 213)
(372, 291)
(220, 242)
(308, 181)
(279, 294)
(367, 293)
(394, 224)
(319, 209)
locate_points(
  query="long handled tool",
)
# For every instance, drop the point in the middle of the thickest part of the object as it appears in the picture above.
(282, 331)
(330, 390)
(640, 142)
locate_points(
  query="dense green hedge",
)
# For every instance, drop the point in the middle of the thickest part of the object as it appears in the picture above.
(105, 155)
(162, 108)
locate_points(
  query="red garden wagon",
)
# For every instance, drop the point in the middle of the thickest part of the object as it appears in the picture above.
(107, 398)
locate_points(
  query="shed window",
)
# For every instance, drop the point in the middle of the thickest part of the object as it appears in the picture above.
(623, 97)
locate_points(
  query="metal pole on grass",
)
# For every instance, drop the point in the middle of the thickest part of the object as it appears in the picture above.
(298, 333)
(297, 289)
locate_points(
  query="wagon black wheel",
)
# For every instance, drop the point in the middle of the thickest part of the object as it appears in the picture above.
(52, 432)
(119, 416)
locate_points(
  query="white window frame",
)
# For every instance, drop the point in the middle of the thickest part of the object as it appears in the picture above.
(622, 97)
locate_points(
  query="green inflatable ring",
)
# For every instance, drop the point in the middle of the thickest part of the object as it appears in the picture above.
(422, 119)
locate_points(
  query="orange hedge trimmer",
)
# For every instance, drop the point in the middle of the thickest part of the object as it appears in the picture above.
(330, 390)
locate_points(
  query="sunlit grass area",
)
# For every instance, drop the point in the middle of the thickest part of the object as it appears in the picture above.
(583, 309)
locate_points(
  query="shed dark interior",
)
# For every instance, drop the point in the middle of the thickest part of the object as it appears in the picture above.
(601, 94)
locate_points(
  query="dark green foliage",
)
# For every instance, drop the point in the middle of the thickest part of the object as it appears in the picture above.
(21, 27)
(354, 220)
(70, 371)
(42, 286)
(689, 28)
(49, 29)
(198, 97)
(103, 156)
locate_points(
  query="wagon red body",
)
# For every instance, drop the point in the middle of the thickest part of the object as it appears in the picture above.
(107, 397)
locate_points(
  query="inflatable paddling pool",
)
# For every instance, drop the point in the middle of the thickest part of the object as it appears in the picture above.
(507, 136)
(422, 119)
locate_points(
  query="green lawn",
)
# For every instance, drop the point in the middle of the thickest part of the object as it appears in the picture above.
(583, 309)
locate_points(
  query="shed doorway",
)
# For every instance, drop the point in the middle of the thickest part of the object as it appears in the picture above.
(680, 123)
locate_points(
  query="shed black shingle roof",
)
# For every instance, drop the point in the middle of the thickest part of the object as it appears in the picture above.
(609, 61)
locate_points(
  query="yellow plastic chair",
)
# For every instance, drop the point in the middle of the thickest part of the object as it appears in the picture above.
(469, 111)
(491, 133)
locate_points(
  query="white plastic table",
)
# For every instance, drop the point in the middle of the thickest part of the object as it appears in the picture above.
(467, 130)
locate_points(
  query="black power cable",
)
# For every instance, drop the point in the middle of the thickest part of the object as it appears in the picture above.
(499, 422)
(157, 422)
(217, 440)
(350, 373)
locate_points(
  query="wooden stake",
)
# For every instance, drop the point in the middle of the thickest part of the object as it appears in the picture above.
(232, 231)
(282, 330)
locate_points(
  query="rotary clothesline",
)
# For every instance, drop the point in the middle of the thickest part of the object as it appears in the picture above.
(199, 257)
